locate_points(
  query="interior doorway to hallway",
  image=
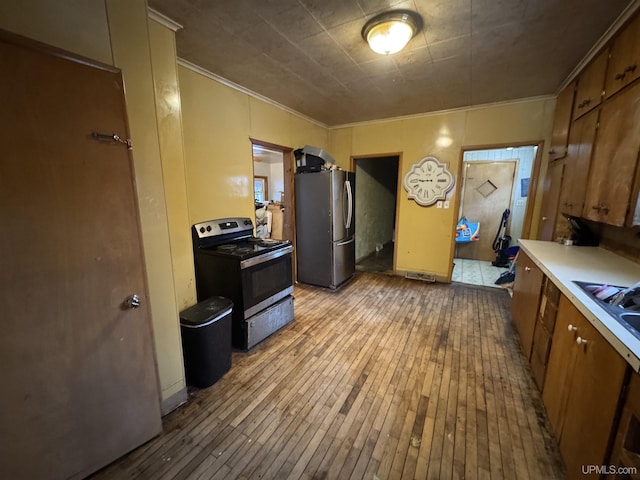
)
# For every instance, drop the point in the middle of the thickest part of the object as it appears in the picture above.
(375, 205)
(494, 180)
(273, 170)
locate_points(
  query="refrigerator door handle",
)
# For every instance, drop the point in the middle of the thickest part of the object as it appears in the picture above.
(346, 242)
(347, 187)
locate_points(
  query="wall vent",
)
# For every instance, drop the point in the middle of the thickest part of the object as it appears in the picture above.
(425, 277)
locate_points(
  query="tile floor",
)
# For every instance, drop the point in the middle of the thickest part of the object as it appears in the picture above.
(476, 272)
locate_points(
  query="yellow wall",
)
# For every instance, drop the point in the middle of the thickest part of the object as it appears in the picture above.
(424, 235)
(169, 118)
(78, 26)
(218, 124)
(132, 53)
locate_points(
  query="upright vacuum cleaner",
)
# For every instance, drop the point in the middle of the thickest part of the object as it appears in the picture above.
(501, 243)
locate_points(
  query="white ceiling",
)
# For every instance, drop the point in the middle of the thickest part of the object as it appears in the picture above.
(309, 56)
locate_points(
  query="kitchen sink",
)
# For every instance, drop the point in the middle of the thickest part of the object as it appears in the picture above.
(603, 295)
(632, 318)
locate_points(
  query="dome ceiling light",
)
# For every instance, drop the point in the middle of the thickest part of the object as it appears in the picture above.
(389, 32)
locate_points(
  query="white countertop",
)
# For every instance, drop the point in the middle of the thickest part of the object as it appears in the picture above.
(563, 264)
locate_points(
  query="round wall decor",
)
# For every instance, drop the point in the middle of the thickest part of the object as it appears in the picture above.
(428, 181)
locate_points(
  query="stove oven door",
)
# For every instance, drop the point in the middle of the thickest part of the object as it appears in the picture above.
(266, 279)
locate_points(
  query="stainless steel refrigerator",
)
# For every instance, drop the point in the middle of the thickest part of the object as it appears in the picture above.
(325, 227)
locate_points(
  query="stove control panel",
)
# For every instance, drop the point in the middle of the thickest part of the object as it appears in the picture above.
(223, 226)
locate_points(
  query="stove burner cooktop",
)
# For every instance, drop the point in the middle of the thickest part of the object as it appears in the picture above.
(249, 247)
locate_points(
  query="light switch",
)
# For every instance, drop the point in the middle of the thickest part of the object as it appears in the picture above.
(439, 204)
(446, 204)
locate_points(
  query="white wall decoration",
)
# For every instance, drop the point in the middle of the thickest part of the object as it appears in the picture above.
(428, 181)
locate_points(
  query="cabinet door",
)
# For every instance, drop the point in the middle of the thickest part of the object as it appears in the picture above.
(549, 210)
(527, 289)
(560, 366)
(624, 62)
(595, 388)
(615, 155)
(591, 85)
(561, 122)
(577, 162)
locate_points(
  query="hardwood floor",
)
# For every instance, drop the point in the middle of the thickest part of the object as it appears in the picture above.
(386, 378)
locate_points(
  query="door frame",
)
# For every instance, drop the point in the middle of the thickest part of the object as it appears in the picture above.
(288, 216)
(533, 187)
(352, 166)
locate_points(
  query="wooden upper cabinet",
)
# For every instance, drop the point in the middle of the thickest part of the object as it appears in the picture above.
(624, 61)
(577, 163)
(591, 85)
(549, 209)
(612, 179)
(561, 122)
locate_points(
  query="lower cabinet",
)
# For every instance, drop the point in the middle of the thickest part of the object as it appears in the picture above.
(582, 389)
(543, 332)
(527, 289)
(626, 449)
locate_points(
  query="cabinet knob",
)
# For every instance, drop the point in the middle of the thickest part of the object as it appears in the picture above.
(571, 328)
(619, 76)
(527, 269)
(545, 219)
(630, 69)
(580, 341)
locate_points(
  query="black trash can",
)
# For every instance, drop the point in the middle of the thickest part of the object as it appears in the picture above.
(206, 340)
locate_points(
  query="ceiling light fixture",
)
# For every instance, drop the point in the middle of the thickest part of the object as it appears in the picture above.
(389, 32)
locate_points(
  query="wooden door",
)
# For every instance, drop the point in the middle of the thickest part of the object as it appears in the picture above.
(79, 385)
(527, 290)
(487, 192)
(594, 394)
(550, 199)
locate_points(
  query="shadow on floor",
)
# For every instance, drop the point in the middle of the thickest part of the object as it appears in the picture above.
(378, 262)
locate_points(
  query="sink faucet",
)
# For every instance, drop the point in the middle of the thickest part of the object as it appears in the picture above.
(626, 297)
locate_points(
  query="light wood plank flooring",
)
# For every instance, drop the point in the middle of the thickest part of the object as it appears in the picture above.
(386, 378)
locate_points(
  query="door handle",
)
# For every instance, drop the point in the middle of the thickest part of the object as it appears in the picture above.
(346, 242)
(347, 186)
(131, 302)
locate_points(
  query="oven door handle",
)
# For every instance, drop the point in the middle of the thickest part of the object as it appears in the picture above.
(250, 262)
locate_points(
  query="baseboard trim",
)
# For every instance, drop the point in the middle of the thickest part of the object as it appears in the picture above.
(174, 401)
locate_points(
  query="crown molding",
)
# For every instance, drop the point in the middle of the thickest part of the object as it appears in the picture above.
(163, 20)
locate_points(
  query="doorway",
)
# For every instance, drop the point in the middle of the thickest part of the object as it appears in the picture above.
(273, 190)
(375, 205)
(494, 179)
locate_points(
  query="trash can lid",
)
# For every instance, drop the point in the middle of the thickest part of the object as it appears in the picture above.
(206, 312)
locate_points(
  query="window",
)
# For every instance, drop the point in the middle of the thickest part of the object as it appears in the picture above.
(260, 188)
